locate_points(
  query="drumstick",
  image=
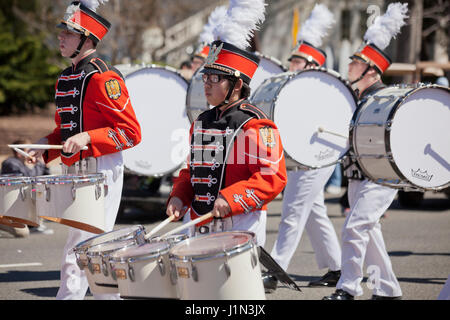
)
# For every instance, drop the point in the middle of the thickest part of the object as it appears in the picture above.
(22, 153)
(159, 227)
(321, 129)
(39, 146)
(189, 224)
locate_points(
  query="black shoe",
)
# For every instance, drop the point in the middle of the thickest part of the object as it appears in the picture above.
(270, 283)
(339, 294)
(330, 279)
(375, 297)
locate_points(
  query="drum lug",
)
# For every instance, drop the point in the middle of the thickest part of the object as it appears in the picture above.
(161, 266)
(104, 268)
(47, 193)
(98, 192)
(74, 192)
(90, 266)
(113, 274)
(173, 273)
(226, 265)
(131, 272)
(22, 194)
(194, 272)
(106, 189)
(254, 259)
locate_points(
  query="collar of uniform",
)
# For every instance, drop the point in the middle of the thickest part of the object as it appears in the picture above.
(374, 87)
(221, 113)
(84, 61)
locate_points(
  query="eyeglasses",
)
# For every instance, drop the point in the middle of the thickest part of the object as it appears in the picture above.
(213, 78)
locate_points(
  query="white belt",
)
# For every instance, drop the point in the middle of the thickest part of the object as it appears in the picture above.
(84, 166)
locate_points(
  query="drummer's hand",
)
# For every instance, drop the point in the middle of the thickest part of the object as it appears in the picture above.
(76, 142)
(36, 154)
(221, 207)
(175, 208)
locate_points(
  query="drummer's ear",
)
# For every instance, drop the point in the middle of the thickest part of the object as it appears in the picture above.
(238, 85)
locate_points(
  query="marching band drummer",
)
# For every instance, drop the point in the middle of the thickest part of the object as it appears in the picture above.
(304, 200)
(362, 240)
(236, 164)
(93, 109)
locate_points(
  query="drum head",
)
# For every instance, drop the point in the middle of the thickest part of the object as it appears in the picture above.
(144, 250)
(158, 96)
(309, 100)
(211, 244)
(268, 67)
(419, 137)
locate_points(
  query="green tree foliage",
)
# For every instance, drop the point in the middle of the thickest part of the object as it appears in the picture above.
(27, 80)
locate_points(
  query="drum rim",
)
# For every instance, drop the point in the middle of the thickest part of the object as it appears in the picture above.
(107, 253)
(15, 180)
(272, 59)
(403, 182)
(293, 74)
(155, 66)
(69, 178)
(84, 245)
(248, 245)
(152, 255)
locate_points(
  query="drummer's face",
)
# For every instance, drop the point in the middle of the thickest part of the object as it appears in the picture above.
(216, 92)
(297, 64)
(355, 68)
(68, 42)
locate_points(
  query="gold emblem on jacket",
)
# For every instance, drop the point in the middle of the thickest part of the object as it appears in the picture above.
(113, 89)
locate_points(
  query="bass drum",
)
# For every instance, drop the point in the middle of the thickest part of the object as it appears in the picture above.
(400, 137)
(158, 96)
(196, 101)
(301, 104)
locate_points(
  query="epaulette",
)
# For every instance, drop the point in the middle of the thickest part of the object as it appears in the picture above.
(99, 64)
(253, 110)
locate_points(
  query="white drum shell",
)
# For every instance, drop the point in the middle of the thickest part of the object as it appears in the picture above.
(148, 281)
(55, 202)
(17, 203)
(389, 149)
(136, 232)
(244, 282)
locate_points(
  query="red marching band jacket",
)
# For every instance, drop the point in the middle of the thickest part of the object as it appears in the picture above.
(255, 171)
(92, 97)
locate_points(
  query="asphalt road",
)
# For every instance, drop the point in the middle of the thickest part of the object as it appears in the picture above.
(418, 242)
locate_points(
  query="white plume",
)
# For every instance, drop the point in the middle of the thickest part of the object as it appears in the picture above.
(387, 26)
(316, 26)
(215, 18)
(243, 17)
(93, 4)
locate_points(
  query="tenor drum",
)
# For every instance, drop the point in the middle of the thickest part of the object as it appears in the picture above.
(171, 240)
(16, 203)
(196, 101)
(73, 200)
(99, 273)
(400, 137)
(158, 96)
(302, 102)
(136, 232)
(218, 266)
(144, 272)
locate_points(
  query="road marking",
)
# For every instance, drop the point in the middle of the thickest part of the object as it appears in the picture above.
(31, 264)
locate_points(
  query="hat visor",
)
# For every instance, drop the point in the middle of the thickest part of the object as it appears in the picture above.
(65, 26)
(214, 71)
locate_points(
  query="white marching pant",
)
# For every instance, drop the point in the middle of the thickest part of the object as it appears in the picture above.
(254, 221)
(73, 283)
(362, 241)
(304, 207)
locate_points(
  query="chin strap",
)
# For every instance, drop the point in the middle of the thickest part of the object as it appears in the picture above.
(77, 51)
(230, 91)
(361, 76)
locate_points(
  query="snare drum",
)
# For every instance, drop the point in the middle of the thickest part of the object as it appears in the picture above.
(158, 96)
(300, 103)
(16, 202)
(218, 266)
(136, 232)
(144, 272)
(400, 137)
(73, 200)
(196, 101)
(99, 274)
